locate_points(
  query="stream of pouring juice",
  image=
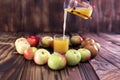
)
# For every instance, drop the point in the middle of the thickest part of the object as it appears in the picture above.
(64, 24)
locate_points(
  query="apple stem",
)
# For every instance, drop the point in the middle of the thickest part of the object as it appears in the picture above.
(74, 52)
(42, 52)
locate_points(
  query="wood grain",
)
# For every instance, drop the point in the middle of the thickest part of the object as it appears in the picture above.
(107, 63)
(47, 16)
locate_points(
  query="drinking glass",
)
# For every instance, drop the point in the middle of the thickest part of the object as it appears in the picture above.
(61, 43)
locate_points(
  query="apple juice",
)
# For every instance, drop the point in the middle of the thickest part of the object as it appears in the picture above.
(61, 44)
(83, 12)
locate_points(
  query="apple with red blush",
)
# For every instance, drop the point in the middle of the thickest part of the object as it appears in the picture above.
(29, 53)
(76, 39)
(85, 54)
(93, 49)
(86, 41)
(47, 41)
(33, 40)
(41, 56)
(57, 61)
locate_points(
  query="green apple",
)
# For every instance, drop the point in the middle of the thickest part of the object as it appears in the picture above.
(41, 56)
(29, 53)
(56, 61)
(47, 41)
(73, 57)
(85, 54)
(76, 40)
(93, 49)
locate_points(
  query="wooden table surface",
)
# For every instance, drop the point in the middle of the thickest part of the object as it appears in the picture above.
(105, 66)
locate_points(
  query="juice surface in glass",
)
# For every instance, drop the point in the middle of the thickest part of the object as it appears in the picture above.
(61, 45)
(81, 11)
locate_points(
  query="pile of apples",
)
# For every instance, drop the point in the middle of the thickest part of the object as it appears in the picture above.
(29, 48)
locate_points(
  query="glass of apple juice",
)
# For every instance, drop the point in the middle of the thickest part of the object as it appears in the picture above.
(61, 43)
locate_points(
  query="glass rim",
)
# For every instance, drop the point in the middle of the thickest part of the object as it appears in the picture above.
(60, 35)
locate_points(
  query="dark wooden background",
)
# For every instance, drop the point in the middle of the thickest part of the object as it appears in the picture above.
(47, 16)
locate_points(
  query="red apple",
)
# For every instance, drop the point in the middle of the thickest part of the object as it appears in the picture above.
(41, 56)
(93, 49)
(33, 40)
(47, 41)
(56, 61)
(29, 53)
(76, 40)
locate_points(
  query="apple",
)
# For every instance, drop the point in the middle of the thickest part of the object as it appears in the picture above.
(97, 45)
(73, 57)
(41, 56)
(29, 53)
(47, 41)
(56, 61)
(85, 54)
(93, 49)
(76, 40)
(87, 41)
(21, 39)
(33, 40)
(21, 47)
(83, 44)
(21, 44)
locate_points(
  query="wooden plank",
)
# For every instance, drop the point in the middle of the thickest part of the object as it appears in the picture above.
(88, 71)
(106, 64)
(111, 37)
(10, 15)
